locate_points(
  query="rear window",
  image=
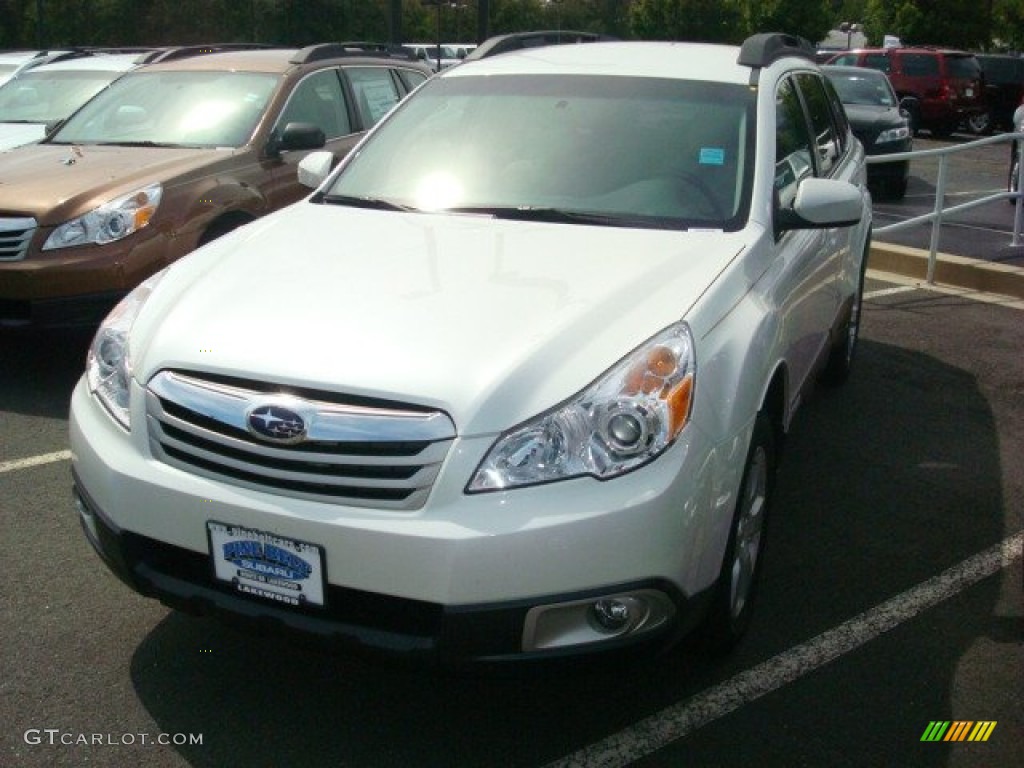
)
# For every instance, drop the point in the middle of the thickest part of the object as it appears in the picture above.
(1000, 70)
(920, 65)
(963, 67)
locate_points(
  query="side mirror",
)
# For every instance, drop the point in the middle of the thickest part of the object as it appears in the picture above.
(908, 106)
(314, 168)
(821, 204)
(296, 136)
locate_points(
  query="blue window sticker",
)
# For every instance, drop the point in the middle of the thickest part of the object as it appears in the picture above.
(712, 156)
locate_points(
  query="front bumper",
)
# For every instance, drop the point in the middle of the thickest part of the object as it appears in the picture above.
(362, 621)
(422, 584)
(76, 286)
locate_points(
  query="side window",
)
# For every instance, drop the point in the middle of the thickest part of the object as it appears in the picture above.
(879, 61)
(375, 92)
(793, 161)
(319, 100)
(411, 78)
(839, 115)
(826, 143)
(846, 60)
(920, 65)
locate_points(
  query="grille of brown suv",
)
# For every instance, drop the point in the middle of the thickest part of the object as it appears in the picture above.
(363, 454)
(15, 234)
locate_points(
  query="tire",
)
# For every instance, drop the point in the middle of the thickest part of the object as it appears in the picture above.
(897, 189)
(220, 228)
(840, 358)
(980, 125)
(732, 601)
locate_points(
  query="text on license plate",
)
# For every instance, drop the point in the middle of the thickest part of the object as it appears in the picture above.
(268, 566)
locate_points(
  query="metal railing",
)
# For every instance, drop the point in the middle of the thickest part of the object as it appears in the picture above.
(939, 211)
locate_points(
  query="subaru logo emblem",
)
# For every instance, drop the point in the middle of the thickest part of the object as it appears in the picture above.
(276, 424)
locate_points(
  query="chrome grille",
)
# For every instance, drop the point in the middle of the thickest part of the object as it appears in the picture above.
(15, 235)
(365, 455)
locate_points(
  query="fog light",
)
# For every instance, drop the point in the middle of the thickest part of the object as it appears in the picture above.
(596, 619)
(611, 615)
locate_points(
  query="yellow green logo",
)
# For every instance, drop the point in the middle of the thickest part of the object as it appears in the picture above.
(958, 730)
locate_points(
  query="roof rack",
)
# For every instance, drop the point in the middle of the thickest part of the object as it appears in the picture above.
(321, 51)
(761, 50)
(78, 52)
(519, 40)
(186, 51)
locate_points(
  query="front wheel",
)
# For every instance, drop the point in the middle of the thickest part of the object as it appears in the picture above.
(732, 601)
(840, 358)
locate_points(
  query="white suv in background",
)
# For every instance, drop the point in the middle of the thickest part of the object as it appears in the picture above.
(49, 93)
(512, 383)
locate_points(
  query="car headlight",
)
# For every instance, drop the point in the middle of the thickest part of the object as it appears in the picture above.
(111, 221)
(623, 420)
(893, 134)
(108, 368)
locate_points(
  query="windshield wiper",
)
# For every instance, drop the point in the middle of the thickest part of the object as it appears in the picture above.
(375, 203)
(553, 215)
(162, 144)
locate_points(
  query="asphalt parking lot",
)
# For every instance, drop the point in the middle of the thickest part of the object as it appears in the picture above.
(891, 601)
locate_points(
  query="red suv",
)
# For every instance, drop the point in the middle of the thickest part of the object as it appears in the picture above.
(947, 86)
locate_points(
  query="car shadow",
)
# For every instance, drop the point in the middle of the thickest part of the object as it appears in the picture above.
(39, 369)
(884, 484)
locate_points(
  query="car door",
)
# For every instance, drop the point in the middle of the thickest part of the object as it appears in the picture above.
(320, 99)
(807, 145)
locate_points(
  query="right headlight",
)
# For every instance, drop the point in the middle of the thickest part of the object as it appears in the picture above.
(111, 221)
(623, 420)
(893, 134)
(108, 367)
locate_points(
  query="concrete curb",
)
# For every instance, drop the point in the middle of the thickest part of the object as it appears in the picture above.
(959, 271)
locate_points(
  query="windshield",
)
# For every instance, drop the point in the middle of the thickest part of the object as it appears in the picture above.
(609, 150)
(41, 97)
(866, 89)
(193, 109)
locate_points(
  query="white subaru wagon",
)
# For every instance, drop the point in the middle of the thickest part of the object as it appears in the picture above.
(512, 382)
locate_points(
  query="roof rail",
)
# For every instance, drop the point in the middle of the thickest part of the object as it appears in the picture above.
(186, 51)
(77, 52)
(536, 39)
(761, 50)
(321, 51)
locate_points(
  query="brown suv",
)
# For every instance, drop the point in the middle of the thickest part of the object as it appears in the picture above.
(169, 157)
(947, 86)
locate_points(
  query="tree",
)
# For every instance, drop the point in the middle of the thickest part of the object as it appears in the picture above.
(811, 20)
(717, 21)
(956, 23)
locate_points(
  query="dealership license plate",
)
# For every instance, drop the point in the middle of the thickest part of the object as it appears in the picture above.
(272, 567)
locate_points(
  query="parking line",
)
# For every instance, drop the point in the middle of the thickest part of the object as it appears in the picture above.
(675, 722)
(890, 291)
(34, 461)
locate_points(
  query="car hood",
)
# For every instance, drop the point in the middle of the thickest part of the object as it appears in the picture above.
(16, 134)
(57, 182)
(490, 321)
